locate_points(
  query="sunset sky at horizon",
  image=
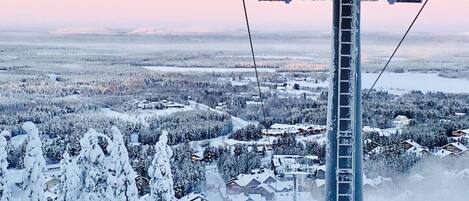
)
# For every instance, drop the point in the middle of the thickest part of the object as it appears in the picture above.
(221, 15)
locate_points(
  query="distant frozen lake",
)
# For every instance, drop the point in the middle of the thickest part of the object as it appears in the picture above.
(395, 83)
(173, 69)
(399, 83)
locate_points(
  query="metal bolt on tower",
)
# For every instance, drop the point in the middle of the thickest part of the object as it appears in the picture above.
(344, 177)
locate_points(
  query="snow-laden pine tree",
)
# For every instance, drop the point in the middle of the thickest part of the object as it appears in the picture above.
(92, 171)
(121, 183)
(161, 179)
(69, 178)
(33, 178)
(5, 193)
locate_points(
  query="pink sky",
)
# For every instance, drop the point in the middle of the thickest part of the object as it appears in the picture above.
(440, 16)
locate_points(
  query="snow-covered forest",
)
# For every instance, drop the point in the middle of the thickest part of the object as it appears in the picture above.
(178, 117)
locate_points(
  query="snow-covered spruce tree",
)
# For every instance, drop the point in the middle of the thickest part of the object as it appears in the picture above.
(121, 184)
(5, 193)
(92, 171)
(69, 178)
(33, 178)
(161, 181)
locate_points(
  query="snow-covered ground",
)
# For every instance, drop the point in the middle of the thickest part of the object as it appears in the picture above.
(238, 123)
(175, 69)
(142, 115)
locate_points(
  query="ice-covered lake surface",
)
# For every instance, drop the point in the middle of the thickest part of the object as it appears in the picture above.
(399, 83)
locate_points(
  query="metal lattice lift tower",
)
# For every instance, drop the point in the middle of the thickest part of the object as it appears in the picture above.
(344, 177)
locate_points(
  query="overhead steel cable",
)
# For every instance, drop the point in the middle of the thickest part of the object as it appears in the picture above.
(255, 64)
(397, 48)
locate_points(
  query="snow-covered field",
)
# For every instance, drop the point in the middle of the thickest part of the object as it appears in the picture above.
(141, 116)
(175, 69)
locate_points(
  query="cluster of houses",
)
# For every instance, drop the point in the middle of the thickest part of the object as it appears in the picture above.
(259, 185)
(278, 130)
(286, 87)
(274, 132)
(454, 149)
(159, 105)
(292, 174)
(306, 179)
(295, 164)
(400, 122)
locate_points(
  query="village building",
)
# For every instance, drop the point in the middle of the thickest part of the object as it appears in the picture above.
(261, 144)
(370, 145)
(286, 86)
(401, 121)
(159, 105)
(297, 129)
(320, 172)
(260, 183)
(414, 148)
(221, 107)
(443, 153)
(455, 147)
(295, 164)
(367, 130)
(194, 197)
(407, 144)
(460, 133)
(197, 156)
(51, 183)
(253, 103)
(419, 151)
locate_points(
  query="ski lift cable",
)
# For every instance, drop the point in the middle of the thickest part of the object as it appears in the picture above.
(255, 64)
(397, 48)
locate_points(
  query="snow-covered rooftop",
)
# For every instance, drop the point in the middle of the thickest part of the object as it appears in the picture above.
(244, 179)
(193, 197)
(443, 153)
(413, 143)
(458, 145)
(282, 185)
(419, 151)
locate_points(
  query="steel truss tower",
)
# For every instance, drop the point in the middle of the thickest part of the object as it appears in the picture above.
(344, 150)
(344, 176)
